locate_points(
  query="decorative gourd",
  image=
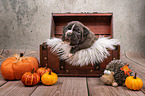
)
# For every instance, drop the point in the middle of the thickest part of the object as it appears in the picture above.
(14, 67)
(49, 78)
(133, 82)
(43, 70)
(30, 78)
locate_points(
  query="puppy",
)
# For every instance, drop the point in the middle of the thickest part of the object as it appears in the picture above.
(78, 36)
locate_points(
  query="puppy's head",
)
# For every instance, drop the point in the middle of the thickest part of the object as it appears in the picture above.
(74, 32)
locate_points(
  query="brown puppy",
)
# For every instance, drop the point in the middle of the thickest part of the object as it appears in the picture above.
(78, 36)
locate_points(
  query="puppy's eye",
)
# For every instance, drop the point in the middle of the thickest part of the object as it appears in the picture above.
(69, 28)
(76, 29)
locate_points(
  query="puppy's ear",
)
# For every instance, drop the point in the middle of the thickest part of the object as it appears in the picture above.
(85, 31)
(63, 35)
(64, 27)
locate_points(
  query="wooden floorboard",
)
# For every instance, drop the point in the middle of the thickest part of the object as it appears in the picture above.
(15, 88)
(136, 57)
(97, 88)
(73, 86)
(136, 67)
(2, 81)
(66, 86)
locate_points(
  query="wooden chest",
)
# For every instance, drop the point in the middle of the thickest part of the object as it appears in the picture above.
(99, 23)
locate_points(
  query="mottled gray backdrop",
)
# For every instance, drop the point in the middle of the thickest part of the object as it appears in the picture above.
(25, 24)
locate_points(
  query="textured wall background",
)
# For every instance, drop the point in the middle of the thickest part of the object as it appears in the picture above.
(24, 24)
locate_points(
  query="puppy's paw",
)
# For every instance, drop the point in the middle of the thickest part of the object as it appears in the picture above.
(70, 55)
(62, 42)
(65, 42)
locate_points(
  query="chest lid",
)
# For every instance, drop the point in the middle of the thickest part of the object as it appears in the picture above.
(98, 23)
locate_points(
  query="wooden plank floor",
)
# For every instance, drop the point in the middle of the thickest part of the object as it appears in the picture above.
(74, 86)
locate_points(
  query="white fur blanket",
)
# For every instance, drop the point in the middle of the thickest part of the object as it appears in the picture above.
(96, 53)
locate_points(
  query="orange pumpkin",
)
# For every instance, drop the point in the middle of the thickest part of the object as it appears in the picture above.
(43, 70)
(30, 78)
(14, 67)
(49, 78)
(133, 82)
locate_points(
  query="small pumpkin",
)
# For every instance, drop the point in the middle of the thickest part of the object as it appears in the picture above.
(133, 82)
(14, 67)
(49, 78)
(30, 78)
(42, 70)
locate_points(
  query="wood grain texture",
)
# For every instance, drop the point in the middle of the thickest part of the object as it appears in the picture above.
(98, 88)
(136, 67)
(2, 81)
(66, 86)
(75, 86)
(136, 57)
(82, 14)
(101, 29)
(15, 88)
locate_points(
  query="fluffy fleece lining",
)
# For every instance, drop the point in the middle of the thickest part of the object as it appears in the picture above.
(96, 53)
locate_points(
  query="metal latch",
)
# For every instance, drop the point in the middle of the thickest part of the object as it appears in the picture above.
(62, 64)
(44, 46)
(97, 66)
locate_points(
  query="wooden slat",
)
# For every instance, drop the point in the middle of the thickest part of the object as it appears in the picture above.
(137, 67)
(75, 86)
(66, 86)
(98, 88)
(2, 81)
(60, 36)
(82, 14)
(143, 54)
(98, 29)
(15, 88)
(136, 57)
(86, 20)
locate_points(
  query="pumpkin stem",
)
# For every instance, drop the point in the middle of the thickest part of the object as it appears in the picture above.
(50, 72)
(135, 76)
(21, 54)
(32, 71)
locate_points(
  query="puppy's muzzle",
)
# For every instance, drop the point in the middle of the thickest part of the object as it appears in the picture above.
(69, 32)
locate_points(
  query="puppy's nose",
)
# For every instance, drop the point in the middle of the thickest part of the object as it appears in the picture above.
(69, 34)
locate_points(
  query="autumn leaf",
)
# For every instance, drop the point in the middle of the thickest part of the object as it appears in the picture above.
(126, 69)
